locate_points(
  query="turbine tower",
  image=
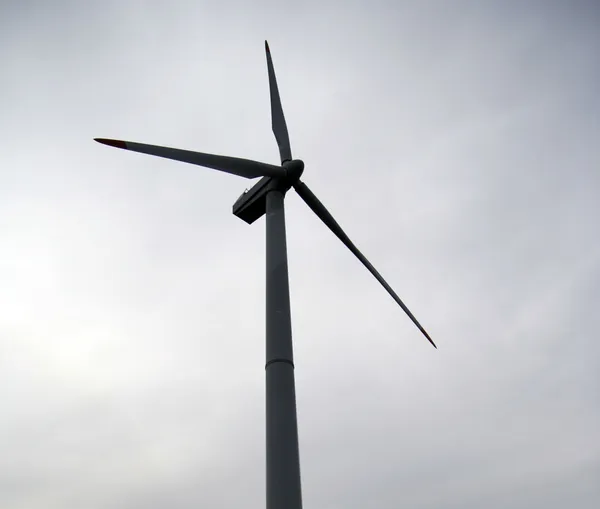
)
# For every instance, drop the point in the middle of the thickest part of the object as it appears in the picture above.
(267, 197)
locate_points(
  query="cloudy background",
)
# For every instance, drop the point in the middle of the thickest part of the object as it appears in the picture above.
(456, 142)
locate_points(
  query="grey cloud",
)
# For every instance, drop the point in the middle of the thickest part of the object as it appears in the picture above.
(456, 145)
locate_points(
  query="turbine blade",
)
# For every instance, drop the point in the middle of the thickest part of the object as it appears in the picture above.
(319, 209)
(277, 119)
(234, 165)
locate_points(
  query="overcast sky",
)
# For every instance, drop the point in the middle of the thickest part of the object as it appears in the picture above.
(457, 144)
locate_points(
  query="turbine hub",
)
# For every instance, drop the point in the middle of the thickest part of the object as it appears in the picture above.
(293, 170)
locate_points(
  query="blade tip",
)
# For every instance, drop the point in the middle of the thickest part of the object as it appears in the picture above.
(111, 143)
(267, 47)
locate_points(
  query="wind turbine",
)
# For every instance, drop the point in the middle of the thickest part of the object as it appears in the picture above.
(267, 197)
